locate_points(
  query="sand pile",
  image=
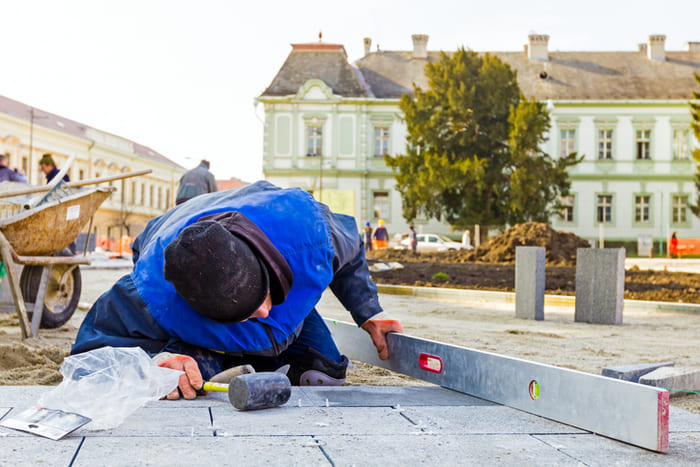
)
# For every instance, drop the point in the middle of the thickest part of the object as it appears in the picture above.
(34, 361)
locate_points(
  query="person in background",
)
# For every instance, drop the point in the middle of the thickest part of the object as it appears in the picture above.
(195, 182)
(380, 236)
(466, 240)
(673, 246)
(368, 236)
(414, 239)
(9, 175)
(48, 166)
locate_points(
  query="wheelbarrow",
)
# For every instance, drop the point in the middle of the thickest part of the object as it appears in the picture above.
(36, 232)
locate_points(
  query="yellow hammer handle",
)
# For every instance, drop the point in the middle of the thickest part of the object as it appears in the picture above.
(215, 387)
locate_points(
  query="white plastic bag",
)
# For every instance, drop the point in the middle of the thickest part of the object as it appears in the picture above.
(109, 384)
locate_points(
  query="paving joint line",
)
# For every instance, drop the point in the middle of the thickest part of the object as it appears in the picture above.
(323, 451)
(558, 449)
(77, 451)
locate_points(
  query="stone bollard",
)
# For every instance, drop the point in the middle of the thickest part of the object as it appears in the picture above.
(600, 285)
(529, 282)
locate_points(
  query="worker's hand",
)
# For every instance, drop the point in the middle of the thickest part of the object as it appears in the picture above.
(190, 382)
(377, 330)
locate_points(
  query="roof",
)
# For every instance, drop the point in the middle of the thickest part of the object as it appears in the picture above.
(569, 75)
(327, 62)
(230, 184)
(47, 119)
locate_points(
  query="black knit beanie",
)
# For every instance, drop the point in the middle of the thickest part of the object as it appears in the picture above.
(216, 272)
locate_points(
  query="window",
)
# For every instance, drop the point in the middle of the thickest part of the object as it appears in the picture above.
(81, 174)
(133, 193)
(167, 198)
(641, 209)
(643, 144)
(568, 142)
(680, 208)
(681, 148)
(151, 197)
(143, 194)
(604, 209)
(605, 144)
(381, 205)
(567, 210)
(25, 164)
(381, 141)
(314, 141)
(160, 197)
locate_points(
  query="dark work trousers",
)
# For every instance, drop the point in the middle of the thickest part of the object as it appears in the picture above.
(314, 334)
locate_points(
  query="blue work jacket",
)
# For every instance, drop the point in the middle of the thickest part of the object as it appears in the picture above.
(322, 249)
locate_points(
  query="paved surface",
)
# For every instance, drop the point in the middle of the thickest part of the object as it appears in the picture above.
(350, 425)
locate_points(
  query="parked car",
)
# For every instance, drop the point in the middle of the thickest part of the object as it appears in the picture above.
(432, 242)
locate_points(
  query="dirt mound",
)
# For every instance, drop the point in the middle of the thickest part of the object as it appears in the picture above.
(560, 248)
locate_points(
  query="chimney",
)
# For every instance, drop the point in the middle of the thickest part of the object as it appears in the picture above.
(692, 46)
(537, 47)
(642, 48)
(368, 43)
(420, 45)
(655, 47)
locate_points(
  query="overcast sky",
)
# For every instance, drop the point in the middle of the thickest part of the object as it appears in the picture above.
(182, 76)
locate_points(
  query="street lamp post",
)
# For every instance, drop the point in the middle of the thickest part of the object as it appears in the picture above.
(31, 141)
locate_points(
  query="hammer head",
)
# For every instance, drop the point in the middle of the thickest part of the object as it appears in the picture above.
(256, 391)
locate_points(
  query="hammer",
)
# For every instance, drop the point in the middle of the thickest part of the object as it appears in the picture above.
(254, 391)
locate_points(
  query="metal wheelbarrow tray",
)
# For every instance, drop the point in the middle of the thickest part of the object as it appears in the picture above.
(38, 237)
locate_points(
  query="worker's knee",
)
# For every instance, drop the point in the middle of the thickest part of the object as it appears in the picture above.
(314, 369)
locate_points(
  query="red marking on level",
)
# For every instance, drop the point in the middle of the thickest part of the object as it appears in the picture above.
(662, 425)
(430, 362)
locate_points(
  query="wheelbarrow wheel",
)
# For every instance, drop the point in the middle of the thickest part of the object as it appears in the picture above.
(62, 291)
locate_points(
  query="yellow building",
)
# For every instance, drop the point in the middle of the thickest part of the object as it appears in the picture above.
(26, 133)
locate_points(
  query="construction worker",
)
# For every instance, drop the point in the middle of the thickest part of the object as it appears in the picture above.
(195, 182)
(368, 236)
(380, 235)
(48, 166)
(233, 278)
(9, 175)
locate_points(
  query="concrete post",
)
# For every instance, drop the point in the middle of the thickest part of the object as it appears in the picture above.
(600, 285)
(529, 282)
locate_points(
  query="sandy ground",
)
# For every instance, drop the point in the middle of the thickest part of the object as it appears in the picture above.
(644, 337)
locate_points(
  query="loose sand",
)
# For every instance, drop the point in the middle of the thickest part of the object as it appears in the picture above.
(649, 336)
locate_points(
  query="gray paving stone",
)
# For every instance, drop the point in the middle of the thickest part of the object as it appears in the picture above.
(632, 372)
(496, 420)
(214, 451)
(680, 420)
(529, 282)
(148, 421)
(34, 450)
(427, 449)
(684, 450)
(684, 379)
(389, 396)
(311, 421)
(21, 396)
(600, 285)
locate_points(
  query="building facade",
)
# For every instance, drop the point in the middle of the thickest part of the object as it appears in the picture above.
(328, 124)
(27, 133)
